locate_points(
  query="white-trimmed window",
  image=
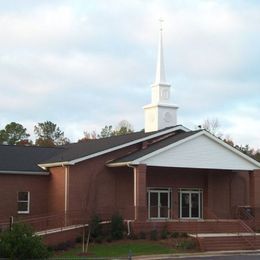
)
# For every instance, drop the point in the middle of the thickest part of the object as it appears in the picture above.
(23, 202)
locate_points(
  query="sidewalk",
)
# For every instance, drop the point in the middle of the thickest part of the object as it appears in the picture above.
(198, 254)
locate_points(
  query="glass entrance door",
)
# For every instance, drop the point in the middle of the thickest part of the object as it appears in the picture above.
(190, 204)
(159, 204)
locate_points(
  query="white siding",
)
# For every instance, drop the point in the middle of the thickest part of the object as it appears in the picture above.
(200, 152)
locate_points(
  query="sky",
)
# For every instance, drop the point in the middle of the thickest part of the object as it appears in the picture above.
(86, 64)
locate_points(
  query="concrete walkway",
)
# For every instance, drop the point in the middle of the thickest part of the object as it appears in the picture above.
(199, 255)
(225, 234)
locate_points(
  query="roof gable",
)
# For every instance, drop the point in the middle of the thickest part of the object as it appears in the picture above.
(199, 150)
(78, 152)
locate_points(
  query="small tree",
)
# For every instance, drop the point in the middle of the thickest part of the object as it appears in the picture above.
(88, 136)
(49, 134)
(14, 133)
(95, 227)
(212, 126)
(107, 131)
(21, 243)
(123, 128)
(117, 227)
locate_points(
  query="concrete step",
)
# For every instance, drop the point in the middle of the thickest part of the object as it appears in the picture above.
(218, 243)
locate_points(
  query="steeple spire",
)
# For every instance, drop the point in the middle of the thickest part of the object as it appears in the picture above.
(160, 72)
(160, 113)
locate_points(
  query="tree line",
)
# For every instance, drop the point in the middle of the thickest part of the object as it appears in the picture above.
(49, 134)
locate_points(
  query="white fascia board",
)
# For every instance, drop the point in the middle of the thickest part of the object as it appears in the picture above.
(24, 172)
(72, 162)
(231, 148)
(129, 143)
(118, 164)
(203, 132)
(45, 166)
(147, 156)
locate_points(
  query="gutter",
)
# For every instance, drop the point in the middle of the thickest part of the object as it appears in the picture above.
(45, 166)
(75, 161)
(24, 172)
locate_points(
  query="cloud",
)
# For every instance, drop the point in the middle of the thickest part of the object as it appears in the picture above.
(85, 64)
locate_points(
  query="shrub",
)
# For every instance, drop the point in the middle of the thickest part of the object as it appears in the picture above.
(109, 239)
(164, 234)
(117, 227)
(142, 235)
(78, 239)
(154, 234)
(63, 246)
(21, 243)
(133, 236)
(175, 234)
(98, 240)
(184, 234)
(186, 244)
(95, 227)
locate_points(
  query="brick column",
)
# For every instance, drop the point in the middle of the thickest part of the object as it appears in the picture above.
(254, 182)
(254, 195)
(140, 192)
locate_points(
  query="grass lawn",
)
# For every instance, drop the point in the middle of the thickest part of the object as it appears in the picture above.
(122, 248)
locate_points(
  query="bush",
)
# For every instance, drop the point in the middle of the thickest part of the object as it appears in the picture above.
(164, 234)
(142, 235)
(78, 239)
(63, 246)
(98, 240)
(184, 234)
(175, 234)
(133, 236)
(22, 243)
(109, 239)
(95, 228)
(186, 244)
(154, 235)
(117, 227)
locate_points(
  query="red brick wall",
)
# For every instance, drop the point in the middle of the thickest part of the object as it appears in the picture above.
(11, 184)
(98, 189)
(55, 239)
(223, 190)
(55, 192)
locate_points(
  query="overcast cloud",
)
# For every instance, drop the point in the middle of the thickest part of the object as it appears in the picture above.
(86, 64)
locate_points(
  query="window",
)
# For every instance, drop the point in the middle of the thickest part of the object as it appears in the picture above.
(23, 202)
(159, 203)
(190, 203)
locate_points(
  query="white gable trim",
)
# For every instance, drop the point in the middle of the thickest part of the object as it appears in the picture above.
(72, 162)
(203, 132)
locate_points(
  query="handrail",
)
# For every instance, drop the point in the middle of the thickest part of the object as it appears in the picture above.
(248, 229)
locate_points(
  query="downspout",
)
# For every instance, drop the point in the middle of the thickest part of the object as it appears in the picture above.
(135, 190)
(66, 190)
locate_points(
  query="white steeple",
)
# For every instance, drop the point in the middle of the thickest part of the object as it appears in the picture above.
(160, 72)
(160, 113)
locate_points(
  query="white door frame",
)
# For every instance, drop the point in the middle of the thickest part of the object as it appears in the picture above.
(200, 204)
(159, 191)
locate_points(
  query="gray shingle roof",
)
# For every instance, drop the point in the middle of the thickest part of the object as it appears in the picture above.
(92, 146)
(27, 158)
(24, 158)
(154, 147)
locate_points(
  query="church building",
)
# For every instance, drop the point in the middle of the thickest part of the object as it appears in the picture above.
(165, 174)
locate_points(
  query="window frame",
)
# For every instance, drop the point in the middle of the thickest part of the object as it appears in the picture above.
(23, 201)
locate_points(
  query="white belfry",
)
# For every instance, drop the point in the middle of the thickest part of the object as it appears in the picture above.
(160, 113)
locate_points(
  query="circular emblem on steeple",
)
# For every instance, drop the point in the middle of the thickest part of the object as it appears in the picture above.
(167, 117)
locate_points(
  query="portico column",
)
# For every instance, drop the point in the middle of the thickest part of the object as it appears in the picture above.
(140, 192)
(254, 178)
(254, 199)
